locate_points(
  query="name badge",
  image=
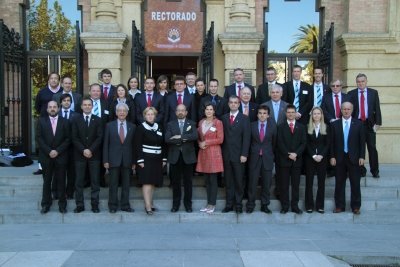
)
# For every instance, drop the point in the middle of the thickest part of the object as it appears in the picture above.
(213, 129)
(159, 133)
(106, 112)
(305, 92)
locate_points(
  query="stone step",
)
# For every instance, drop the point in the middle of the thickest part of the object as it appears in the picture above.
(162, 217)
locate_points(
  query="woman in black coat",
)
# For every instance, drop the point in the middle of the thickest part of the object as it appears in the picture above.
(122, 95)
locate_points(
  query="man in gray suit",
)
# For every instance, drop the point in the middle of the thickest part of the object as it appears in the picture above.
(277, 116)
(76, 99)
(118, 157)
(181, 134)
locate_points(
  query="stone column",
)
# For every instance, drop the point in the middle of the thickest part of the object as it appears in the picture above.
(104, 42)
(240, 42)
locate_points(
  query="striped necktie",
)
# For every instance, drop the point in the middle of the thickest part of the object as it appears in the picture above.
(96, 108)
(319, 96)
(296, 97)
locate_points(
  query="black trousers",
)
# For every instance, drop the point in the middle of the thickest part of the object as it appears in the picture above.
(210, 180)
(178, 170)
(341, 171)
(70, 173)
(80, 167)
(290, 175)
(277, 190)
(266, 177)
(370, 139)
(321, 168)
(233, 173)
(115, 173)
(58, 170)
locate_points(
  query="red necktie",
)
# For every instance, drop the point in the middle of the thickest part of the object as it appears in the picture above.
(238, 93)
(121, 132)
(337, 111)
(291, 127)
(362, 108)
(261, 135)
(231, 120)
(105, 93)
(148, 100)
(179, 99)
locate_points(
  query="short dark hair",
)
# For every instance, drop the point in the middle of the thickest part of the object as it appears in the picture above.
(64, 96)
(209, 103)
(161, 79)
(318, 68)
(190, 74)
(214, 80)
(105, 71)
(264, 107)
(58, 104)
(87, 97)
(200, 80)
(64, 79)
(290, 106)
(150, 78)
(179, 78)
(238, 69)
(94, 84)
(271, 69)
(296, 66)
(51, 73)
(233, 97)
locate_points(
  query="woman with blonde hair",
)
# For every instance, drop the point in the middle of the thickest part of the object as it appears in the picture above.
(317, 148)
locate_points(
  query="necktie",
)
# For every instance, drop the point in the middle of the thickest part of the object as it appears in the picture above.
(346, 135)
(181, 126)
(291, 127)
(66, 114)
(319, 96)
(262, 134)
(269, 88)
(213, 100)
(337, 111)
(105, 93)
(53, 125)
(231, 120)
(276, 112)
(121, 132)
(87, 121)
(96, 108)
(246, 110)
(362, 108)
(239, 89)
(148, 100)
(179, 99)
(296, 97)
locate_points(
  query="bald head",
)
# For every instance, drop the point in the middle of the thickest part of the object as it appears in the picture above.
(181, 112)
(347, 110)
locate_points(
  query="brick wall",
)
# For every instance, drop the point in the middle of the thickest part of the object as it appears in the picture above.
(367, 16)
(10, 12)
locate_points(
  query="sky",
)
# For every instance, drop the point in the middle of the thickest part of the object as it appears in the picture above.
(70, 9)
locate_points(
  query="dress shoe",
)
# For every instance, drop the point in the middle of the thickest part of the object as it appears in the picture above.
(321, 211)
(69, 197)
(62, 210)
(266, 209)
(79, 209)
(284, 211)
(226, 209)
(189, 210)
(376, 175)
(149, 212)
(363, 174)
(38, 172)
(239, 210)
(338, 210)
(103, 184)
(297, 211)
(113, 211)
(356, 212)
(278, 197)
(95, 208)
(86, 185)
(309, 211)
(174, 209)
(249, 211)
(154, 209)
(128, 210)
(44, 210)
(55, 197)
(139, 185)
(330, 174)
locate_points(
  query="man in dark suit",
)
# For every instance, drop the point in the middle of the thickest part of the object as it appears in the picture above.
(87, 137)
(347, 154)
(181, 134)
(180, 97)
(292, 141)
(246, 107)
(107, 89)
(118, 157)
(235, 150)
(76, 99)
(300, 94)
(319, 88)
(264, 90)
(190, 83)
(220, 102)
(367, 109)
(53, 134)
(261, 162)
(238, 85)
(147, 99)
(277, 116)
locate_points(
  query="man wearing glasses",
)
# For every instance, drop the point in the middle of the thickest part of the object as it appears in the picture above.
(236, 87)
(263, 91)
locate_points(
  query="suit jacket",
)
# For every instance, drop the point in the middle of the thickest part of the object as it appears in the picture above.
(171, 102)
(281, 114)
(114, 151)
(76, 98)
(306, 99)
(48, 142)
(355, 141)
(221, 106)
(236, 137)
(185, 144)
(84, 137)
(325, 89)
(104, 106)
(158, 102)
(263, 93)
(72, 115)
(131, 117)
(187, 90)
(268, 145)
(318, 145)
(374, 108)
(291, 142)
(231, 90)
(253, 111)
(110, 93)
(328, 106)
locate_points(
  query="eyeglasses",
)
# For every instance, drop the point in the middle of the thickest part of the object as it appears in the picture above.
(335, 85)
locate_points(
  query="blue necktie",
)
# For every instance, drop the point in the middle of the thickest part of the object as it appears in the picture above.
(96, 108)
(213, 100)
(276, 111)
(319, 97)
(296, 97)
(346, 136)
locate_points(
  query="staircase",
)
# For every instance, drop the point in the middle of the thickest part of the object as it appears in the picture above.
(20, 196)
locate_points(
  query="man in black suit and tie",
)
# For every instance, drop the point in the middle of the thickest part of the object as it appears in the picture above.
(147, 99)
(246, 107)
(107, 89)
(347, 154)
(238, 85)
(292, 141)
(264, 90)
(190, 83)
(118, 157)
(367, 109)
(53, 134)
(181, 135)
(319, 88)
(220, 102)
(235, 150)
(76, 99)
(300, 94)
(261, 162)
(180, 97)
(87, 137)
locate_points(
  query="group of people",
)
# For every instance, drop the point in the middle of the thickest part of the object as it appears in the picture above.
(292, 128)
